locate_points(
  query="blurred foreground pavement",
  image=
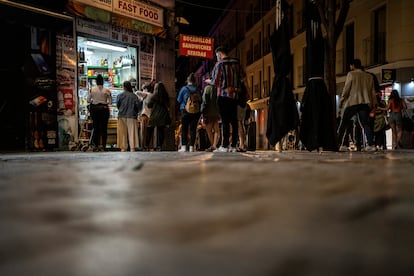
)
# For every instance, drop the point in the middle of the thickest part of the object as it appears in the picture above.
(258, 213)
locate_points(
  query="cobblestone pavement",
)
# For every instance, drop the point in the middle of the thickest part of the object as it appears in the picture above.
(260, 213)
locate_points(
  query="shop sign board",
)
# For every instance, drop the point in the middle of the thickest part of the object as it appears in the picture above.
(93, 28)
(101, 4)
(130, 8)
(107, 31)
(196, 46)
(140, 11)
(388, 75)
(125, 35)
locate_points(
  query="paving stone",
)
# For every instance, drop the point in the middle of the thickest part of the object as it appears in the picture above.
(168, 213)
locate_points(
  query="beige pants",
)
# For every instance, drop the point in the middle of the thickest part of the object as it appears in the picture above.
(143, 130)
(127, 131)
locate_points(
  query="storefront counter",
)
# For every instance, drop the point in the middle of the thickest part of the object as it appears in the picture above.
(111, 136)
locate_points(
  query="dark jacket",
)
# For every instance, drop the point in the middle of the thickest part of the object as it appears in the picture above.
(209, 105)
(159, 104)
(128, 105)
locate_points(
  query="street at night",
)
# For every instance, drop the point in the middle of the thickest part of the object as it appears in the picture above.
(169, 213)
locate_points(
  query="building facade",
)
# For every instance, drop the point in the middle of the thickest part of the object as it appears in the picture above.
(376, 31)
(50, 63)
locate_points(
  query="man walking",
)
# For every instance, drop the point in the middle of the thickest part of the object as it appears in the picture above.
(358, 97)
(227, 76)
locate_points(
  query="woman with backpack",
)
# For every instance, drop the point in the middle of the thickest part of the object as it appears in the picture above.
(189, 98)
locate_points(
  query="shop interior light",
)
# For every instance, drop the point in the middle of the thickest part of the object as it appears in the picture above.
(106, 46)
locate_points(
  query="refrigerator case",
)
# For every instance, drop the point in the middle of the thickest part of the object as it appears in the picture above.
(113, 116)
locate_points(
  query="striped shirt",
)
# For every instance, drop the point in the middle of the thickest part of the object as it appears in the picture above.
(227, 76)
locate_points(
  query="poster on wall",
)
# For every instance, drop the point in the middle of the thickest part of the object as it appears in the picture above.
(146, 59)
(67, 101)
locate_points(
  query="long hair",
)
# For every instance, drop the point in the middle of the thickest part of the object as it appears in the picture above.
(394, 95)
(161, 94)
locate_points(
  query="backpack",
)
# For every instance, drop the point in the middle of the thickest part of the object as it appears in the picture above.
(193, 102)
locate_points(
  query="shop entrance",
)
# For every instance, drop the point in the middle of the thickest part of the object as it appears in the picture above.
(116, 63)
(27, 101)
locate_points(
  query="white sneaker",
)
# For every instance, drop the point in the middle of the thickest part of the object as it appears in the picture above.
(232, 149)
(191, 149)
(370, 148)
(183, 149)
(221, 149)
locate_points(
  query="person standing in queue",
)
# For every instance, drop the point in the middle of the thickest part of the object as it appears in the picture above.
(160, 115)
(227, 76)
(145, 95)
(99, 98)
(189, 121)
(211, 115)
(128, 106)
(358, 97)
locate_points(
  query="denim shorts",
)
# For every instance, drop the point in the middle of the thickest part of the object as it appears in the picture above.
(395, 118)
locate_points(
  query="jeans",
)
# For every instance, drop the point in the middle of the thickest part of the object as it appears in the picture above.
(228, 113)
(189, 122)
(363, 113)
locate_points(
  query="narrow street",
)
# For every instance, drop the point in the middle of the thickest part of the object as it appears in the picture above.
(167, 213)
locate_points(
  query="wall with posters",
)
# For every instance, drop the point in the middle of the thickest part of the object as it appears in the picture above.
(66, 91)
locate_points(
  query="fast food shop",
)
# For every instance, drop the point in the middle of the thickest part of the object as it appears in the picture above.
(116, 39)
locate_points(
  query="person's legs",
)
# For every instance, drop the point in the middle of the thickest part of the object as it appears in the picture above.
(345, 124)
(225, 114)
(358, 136)
(121, 134)
(242, 135)
(399, 134)
(160, 136)
(150, 134)
(193, 128)
(216, 135)
(95, 124)
(363, 113)
(104, 126)
(132, 133)
(384, 138)
(185, 123)
(143, 131)
(209, 130)
(393, 127)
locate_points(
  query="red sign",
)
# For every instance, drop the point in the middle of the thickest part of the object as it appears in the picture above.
(196, 46)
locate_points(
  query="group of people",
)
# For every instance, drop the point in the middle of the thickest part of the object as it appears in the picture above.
(220, 100)
(364, 112)
(150, 106)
